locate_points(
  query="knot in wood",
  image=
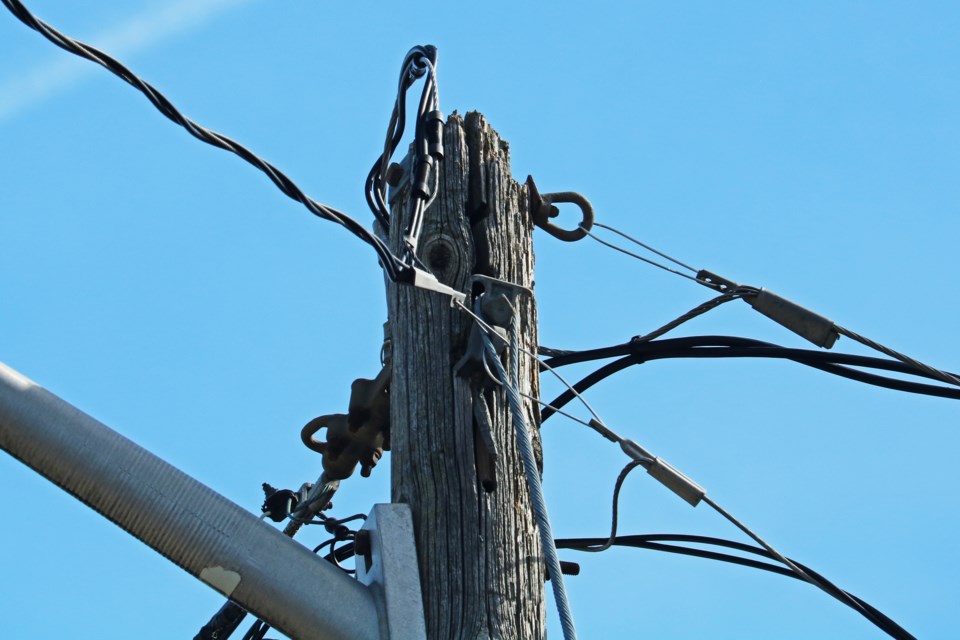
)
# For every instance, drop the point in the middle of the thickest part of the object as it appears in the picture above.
(442, 257)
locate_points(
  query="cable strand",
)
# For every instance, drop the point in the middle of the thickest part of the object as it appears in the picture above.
(391, 264)
(538, 502)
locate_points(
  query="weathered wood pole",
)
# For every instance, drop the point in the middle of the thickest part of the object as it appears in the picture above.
(480, 560)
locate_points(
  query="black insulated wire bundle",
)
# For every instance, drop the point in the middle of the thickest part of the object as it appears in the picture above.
(420, 62)
(656, 542)
(392, 265)
(638, 352)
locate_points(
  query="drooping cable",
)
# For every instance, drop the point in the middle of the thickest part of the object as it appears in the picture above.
(414, 66)
(693, 494)
(392, 265)
(538, 502)
(653, 542)
(630, 466)
(839, 364)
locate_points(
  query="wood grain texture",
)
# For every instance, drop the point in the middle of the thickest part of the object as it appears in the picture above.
(479, 554)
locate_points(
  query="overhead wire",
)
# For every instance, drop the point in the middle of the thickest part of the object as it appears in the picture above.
(638, 256)
(926, 369)
(782, 311)
(653, 542)
(392, 265)
(693, 494)
(630, 466)
(839, 364)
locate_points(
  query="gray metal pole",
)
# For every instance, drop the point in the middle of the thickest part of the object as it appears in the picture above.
(202, 532)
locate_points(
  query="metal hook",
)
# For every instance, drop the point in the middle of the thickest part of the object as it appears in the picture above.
(542, 209)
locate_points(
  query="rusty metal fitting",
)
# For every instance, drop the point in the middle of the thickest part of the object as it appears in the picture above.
(358, 437)
(542, 209)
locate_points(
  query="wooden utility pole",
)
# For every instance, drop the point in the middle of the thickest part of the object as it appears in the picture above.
(480, 559)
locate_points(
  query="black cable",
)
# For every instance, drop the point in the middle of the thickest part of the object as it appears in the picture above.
(630, 466)
(256, 631)
(412, 68)
(635, 353)
(393, 266)
(651, 542)
(427, 146)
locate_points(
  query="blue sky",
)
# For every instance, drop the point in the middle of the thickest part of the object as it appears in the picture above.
(169, 290)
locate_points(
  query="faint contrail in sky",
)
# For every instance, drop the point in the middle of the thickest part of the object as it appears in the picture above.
(147, 29)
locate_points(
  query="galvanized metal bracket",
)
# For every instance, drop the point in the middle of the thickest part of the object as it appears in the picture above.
(388, 566)
(495, 306)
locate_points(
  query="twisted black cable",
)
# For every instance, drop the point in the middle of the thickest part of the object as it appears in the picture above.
(256, 631)
(652, 542)
(699, 310)
(391, 263)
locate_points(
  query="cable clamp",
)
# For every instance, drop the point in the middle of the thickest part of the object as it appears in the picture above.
(715, 282)
(664, 473)
(495, 305)
(428, 282)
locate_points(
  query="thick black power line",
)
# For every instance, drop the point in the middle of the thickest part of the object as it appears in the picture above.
(840, 364)
(653, 542)
(394, 267)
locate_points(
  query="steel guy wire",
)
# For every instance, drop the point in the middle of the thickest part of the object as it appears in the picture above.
(709, 280)
(696, 311)
(932, 372)
(490, 331)
(511, 384)
(645, 246)
(595, 425)
(391, 263)
(645, 459)
(799, 572)
(780, 557)
(647, 260)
